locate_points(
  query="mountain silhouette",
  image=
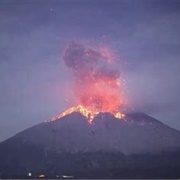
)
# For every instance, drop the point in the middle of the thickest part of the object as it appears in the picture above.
(137, 146)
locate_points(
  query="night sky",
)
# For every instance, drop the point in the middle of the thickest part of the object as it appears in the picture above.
(144, 35)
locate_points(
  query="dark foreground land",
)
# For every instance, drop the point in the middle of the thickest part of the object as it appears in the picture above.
(165, 165)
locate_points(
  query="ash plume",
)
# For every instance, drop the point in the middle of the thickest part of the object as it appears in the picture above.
(96, 78)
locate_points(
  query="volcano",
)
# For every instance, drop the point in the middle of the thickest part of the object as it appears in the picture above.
(131, 146)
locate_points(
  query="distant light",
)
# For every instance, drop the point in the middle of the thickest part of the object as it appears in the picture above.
(41, 176)
(65, 176)
(29, 174)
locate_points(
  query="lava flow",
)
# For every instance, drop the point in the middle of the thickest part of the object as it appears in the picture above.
(85, 112)
(97, 86)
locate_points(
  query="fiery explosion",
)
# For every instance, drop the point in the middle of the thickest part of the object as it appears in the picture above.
(97, 83)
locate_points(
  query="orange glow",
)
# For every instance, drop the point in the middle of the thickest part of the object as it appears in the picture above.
(41, 176)
(97, 84)
(85, 112)
(100, 91)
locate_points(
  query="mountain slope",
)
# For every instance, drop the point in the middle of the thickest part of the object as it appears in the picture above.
(138, 133)
(72, 145)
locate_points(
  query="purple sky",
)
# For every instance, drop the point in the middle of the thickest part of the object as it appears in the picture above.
(34, 34)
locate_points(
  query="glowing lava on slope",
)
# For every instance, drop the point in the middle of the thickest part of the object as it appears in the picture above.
(85, 112)
(97, 86)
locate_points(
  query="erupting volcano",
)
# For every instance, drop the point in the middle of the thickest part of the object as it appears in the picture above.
(115, 145)
(97, 85)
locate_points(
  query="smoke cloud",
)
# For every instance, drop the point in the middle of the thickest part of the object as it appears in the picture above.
(96, 78)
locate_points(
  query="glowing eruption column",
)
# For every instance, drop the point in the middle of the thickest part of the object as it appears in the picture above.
(97, 84)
